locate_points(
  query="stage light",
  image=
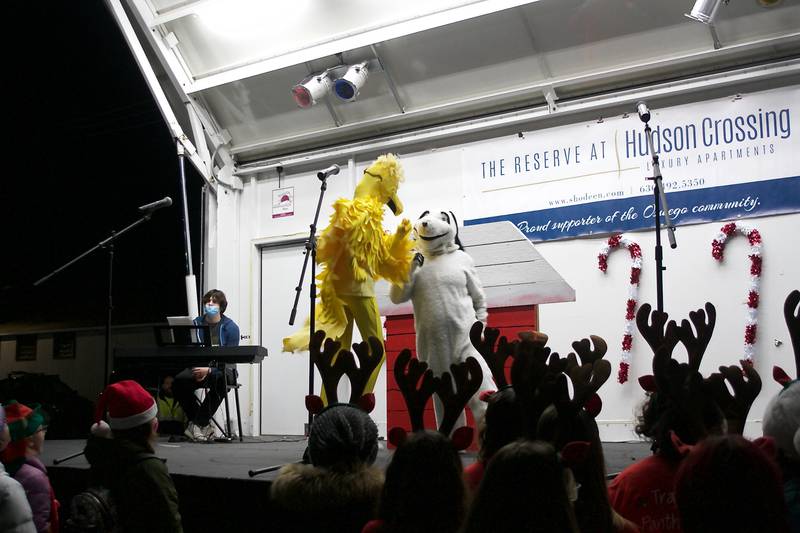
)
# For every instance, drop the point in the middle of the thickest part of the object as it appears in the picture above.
(307, 92)
(347, 86)
(705, 10)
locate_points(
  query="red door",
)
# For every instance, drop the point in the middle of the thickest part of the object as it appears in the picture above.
(400, 335)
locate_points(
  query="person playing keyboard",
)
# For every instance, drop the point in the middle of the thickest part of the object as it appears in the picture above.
(224, 332)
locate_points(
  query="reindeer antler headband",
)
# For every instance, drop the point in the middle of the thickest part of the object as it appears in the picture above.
(682, 382)
(369, 355)
(418, 384)
(791, 313)
(539, 377)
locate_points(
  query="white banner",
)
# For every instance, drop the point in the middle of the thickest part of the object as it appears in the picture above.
(702, 145)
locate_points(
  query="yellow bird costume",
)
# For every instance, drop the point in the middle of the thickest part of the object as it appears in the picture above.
(355, 251)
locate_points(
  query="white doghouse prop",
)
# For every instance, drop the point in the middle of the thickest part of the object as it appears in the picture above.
(512, 271)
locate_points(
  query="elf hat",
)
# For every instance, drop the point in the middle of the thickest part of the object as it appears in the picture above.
(128, 405)
(23, 421)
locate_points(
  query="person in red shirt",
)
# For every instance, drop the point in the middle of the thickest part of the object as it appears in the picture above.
(644, 492)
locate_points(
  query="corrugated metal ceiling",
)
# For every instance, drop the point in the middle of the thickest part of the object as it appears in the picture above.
(240, 68)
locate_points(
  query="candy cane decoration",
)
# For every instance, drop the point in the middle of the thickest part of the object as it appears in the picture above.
(717, 251)
(616, 241)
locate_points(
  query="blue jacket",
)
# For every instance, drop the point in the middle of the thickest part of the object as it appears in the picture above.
(228, 331)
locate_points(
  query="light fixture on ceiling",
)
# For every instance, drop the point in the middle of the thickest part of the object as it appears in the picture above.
(347, 86)
(307, 92)
(346, 81)
(705, 10)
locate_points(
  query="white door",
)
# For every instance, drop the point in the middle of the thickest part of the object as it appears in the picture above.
(284, 377)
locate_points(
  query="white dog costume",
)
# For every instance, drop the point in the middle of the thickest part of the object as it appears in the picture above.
(448, 298)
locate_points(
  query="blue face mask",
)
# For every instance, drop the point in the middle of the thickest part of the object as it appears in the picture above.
(212, 309)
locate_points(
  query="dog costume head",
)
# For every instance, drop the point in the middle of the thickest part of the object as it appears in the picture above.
(437, 233)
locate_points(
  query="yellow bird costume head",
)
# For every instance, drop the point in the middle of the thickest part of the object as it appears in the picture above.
(381, 180)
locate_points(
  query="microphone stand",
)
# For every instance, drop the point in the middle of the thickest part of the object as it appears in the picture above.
(311, 251)
(659, 200)
(107, 245)
(259, 471)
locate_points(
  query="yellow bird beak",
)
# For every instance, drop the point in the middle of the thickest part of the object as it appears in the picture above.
(395, 204)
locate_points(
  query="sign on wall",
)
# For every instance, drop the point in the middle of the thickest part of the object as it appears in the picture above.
(26, 347)
(283, 202)
(64, 345)
(722, 159)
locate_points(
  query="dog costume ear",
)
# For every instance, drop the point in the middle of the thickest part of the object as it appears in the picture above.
(455, 225)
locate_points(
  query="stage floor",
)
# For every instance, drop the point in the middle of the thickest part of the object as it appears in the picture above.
(214, 489)
(233, 460)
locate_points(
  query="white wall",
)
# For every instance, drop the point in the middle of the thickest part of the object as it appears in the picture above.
(692, 278)
(433, 181)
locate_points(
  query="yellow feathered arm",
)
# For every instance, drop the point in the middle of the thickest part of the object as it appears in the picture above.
(398, 261)
(374, 253)
(354, 248)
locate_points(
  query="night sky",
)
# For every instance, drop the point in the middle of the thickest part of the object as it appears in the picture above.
(86, 147)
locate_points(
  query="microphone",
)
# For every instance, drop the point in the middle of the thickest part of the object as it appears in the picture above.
(164, 202)
(330, 171)
(643, 110)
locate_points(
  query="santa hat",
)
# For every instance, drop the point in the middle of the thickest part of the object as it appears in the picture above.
(128, 405)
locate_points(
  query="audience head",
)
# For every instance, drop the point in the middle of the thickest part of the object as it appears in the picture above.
(525, 488)
(424, 488)
(502, 423)
(5, 435)
(728, 483)
(131, 413)
(797, 441)
(342, 436)
(782, 421)
(592, 509)
(660, 414)
(166, 387)
(218, 297)
(26, 428)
